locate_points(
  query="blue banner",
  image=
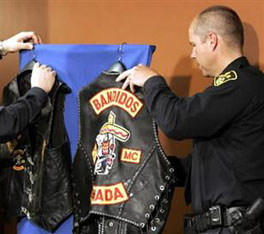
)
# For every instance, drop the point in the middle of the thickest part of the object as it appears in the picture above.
(78, 65)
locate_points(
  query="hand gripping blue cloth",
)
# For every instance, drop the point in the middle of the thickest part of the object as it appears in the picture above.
(77, 65)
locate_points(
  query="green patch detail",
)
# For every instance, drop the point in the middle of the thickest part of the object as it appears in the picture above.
(223, 78)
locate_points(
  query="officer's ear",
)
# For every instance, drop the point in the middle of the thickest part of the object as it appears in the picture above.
(212, 40)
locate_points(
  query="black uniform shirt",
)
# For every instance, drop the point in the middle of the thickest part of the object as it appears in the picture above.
(15, 117)
(226, 122)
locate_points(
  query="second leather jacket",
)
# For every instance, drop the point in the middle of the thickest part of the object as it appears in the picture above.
(35, 167)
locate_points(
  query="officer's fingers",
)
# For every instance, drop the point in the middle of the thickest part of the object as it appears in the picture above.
(39, 41)
(35, 38)
(126, 83)
(132, 87)
(52, 77)
(43, 66)
(24, 46)
(28, 36)
(49, 69)
(54, 73)
(36, 65)
(123, 75)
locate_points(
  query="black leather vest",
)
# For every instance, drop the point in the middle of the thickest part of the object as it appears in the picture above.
(36, 165)
(120, 170)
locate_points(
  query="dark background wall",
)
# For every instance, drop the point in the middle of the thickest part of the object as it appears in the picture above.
(163, 23)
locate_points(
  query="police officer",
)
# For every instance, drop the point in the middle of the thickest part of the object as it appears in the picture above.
(226, 122)
(15, 117)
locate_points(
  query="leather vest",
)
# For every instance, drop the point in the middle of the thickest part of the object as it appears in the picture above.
(120, 170)
(36, 165)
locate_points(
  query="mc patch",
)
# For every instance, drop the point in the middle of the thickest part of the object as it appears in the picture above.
(130, 155)
(223, 78)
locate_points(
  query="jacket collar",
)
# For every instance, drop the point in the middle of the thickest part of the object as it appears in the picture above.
(236, 64)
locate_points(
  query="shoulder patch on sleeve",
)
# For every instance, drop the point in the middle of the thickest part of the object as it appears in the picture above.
(223, 78)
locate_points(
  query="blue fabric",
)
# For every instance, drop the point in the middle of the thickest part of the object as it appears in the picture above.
(77, 65)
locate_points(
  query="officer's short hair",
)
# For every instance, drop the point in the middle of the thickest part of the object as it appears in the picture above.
(223, 21)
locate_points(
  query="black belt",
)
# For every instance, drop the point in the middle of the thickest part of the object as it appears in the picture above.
(216, 216)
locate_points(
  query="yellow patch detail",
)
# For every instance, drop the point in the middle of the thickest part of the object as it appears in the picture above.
(94, 153)
(108, 194)
(111, 127)
(223, 78)
(116, 97)
(130, 155)
(18, 158)
(18, 168)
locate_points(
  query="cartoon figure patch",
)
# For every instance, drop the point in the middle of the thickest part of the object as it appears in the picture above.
(104, 149)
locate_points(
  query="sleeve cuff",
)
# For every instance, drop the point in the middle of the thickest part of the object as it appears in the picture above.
(40, 94)
(154, 81)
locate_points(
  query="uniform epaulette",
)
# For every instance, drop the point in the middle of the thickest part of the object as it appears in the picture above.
(223, 78)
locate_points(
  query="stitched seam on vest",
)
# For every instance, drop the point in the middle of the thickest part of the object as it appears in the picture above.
(125, 229)
(103, 225)
(113, 216)
(79, 114)
(111, 73)
(82, 148)
(155, 131)
(99, 227)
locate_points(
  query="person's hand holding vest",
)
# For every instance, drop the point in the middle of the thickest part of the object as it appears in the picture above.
(22, 40)
(136, 76)
(42, 77)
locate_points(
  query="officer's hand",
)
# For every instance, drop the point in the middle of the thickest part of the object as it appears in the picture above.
(138, 75)
(23, 40)
(42, 77)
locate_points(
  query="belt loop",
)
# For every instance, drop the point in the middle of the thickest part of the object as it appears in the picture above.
(215, 215)
(189, 224)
